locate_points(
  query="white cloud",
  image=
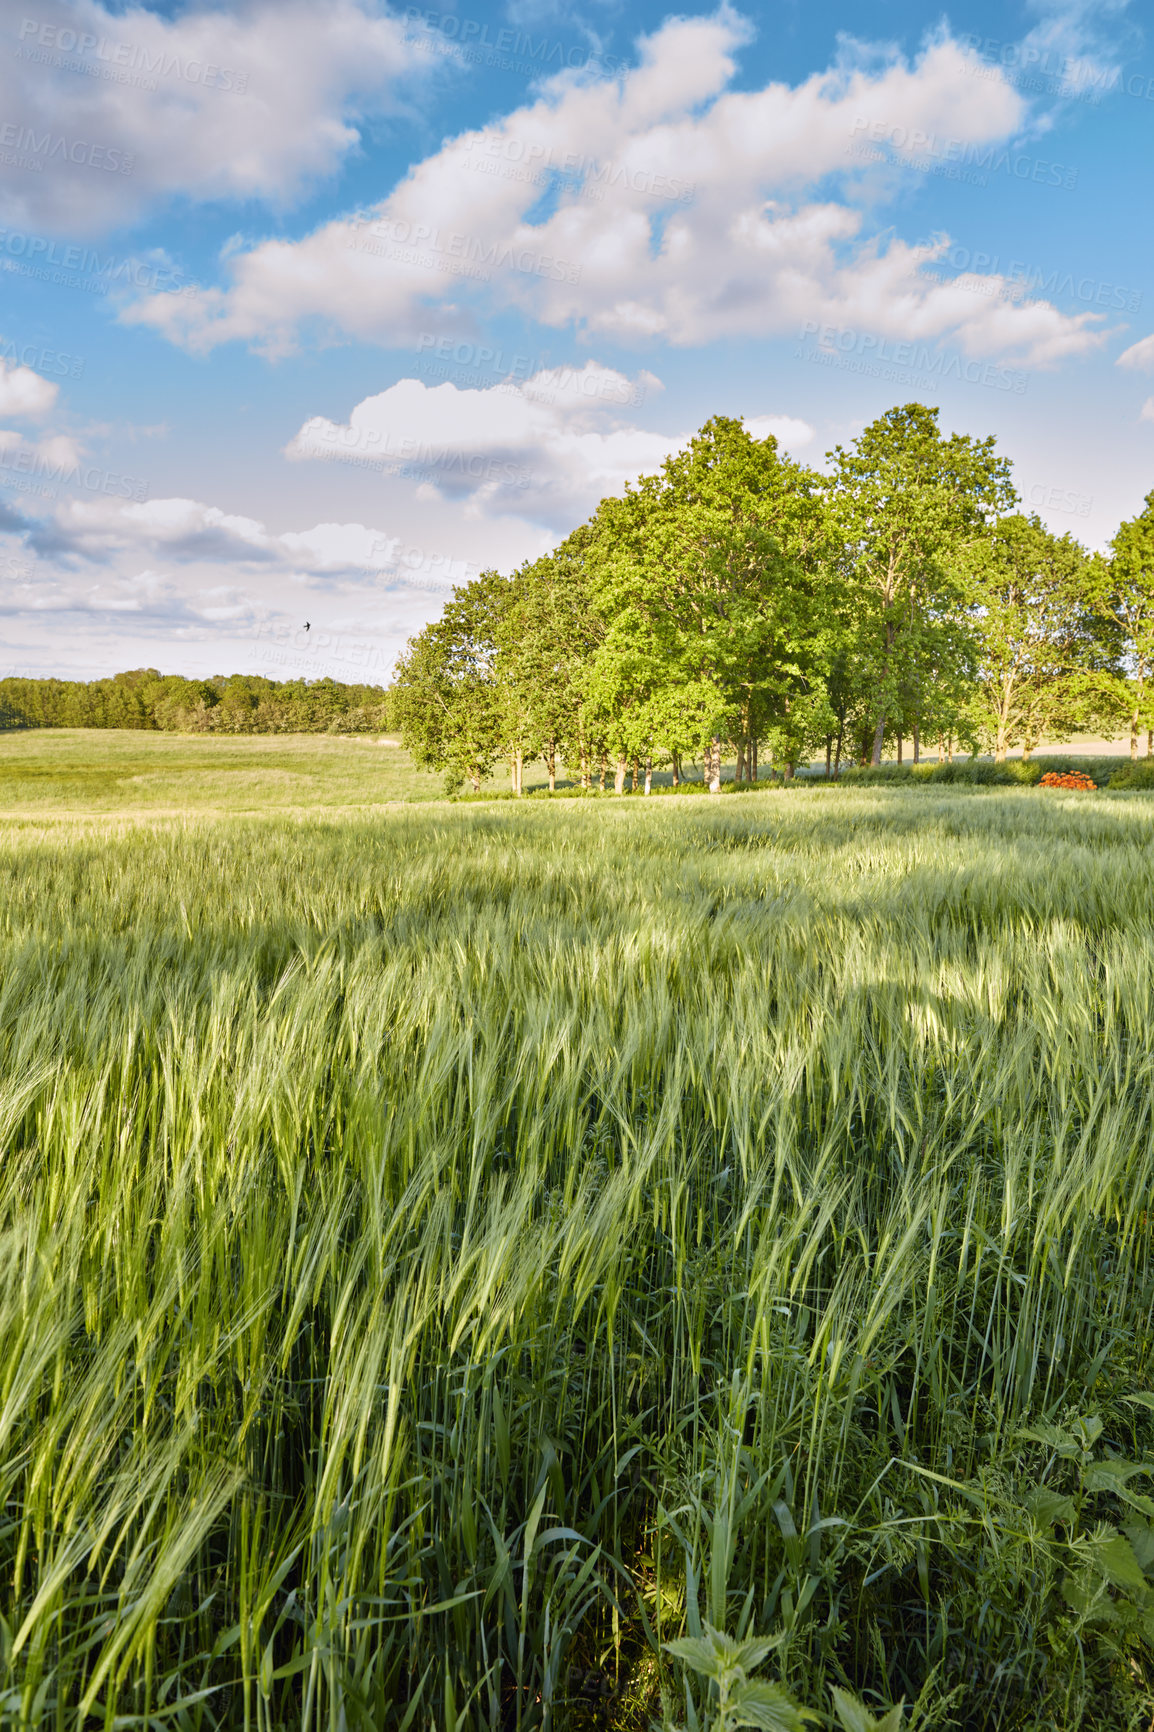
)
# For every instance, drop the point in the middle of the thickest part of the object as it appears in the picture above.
(546, 449)
(180, 578)
(1139, 355)
(180, 566)
(1147, 410)
(786, 429)
(57, 454)
(108, 111)
(178, 532)
(24, 392)
(188, 530)
(1078, 47)
(338, 547)
(696, 218)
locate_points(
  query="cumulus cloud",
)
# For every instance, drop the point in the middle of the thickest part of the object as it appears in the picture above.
(1140, 355)
(180, 571)
(106, 111)
(788, 430)
(56, 455)
(189, 533)
(24, 392)
(184, 531)
(704, 213)
(184, 566)
(545, 449)
(1147, 413)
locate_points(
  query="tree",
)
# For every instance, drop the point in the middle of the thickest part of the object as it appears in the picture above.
(545, 639)
(1042, 656)
(902, 496)
(240, 704)
(1123, 592)
(444, 696)
(735, 596)
(714, 624)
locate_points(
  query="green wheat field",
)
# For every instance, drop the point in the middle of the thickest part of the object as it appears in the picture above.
(451, 1252)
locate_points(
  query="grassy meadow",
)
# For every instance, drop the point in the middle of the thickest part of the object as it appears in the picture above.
(52, 772)
(451, 1251)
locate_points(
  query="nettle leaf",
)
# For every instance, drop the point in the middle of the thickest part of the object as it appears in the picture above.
(752, 1652)
(856, 1717)
(697, 1652)
(1088, 1430)
(1063, 1443)
(1111, 1474)
(1050, 1507)
(1086, 1596)
(765, 1706)
(1141, 1537)
(1114, 1557)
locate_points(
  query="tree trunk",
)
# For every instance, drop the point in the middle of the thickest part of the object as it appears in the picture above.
(1150, 743)
(520, 774)
(879, 736)
(787, 773)
(513, 771)
(828, 754)
(753, 759)
(899, 748)
(1134, 736)
(552, 766)
(1026, 750)
(1000, 744)
(949, 748)
(633, 783)
(476, 781)
(917, 743)
(649, 775)
(739, 772)
(715, 764)
(677, 769)
(837, 754)
(619, 779)
(584, 767)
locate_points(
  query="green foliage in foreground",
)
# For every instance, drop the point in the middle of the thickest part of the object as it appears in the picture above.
(453, 1260)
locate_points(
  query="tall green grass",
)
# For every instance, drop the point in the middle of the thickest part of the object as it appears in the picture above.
(448, 1256)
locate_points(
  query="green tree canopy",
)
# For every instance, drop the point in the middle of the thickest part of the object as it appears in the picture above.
(903, 497)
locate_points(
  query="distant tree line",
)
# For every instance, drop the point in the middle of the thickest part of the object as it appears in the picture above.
(236, 704)
(742, 602)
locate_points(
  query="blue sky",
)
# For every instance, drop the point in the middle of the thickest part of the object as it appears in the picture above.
(308, 312)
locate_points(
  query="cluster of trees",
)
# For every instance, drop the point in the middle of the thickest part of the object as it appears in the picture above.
(237, 704)
(742, 600)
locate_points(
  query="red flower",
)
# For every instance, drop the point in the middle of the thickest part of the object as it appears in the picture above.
(1069, 779)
